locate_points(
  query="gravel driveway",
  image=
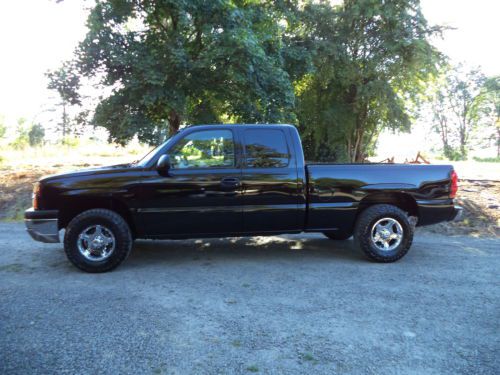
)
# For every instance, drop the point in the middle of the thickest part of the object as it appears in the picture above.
(279, 305)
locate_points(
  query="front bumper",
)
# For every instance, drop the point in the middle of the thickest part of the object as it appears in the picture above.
(42, 225)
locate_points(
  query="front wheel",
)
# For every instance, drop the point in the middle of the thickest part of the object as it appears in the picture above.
(384, 233)
(97, 240)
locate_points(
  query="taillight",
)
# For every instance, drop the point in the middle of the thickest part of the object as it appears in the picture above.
(454, 184)
(36, 195)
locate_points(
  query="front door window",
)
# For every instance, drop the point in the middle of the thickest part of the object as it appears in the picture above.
(204, 149)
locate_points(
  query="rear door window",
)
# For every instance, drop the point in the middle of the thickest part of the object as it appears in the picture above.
(266, 148)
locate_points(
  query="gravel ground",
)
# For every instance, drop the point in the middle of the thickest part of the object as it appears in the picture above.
(278, 305)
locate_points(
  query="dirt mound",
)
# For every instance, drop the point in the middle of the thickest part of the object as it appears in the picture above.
(15, 191)
(481, 202)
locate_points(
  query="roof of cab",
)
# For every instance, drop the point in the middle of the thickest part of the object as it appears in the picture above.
(238, 125)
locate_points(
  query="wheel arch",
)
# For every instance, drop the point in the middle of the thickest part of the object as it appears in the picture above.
(404, 201)
(66, 214)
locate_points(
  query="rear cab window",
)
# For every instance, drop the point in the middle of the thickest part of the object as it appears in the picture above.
(266, 148)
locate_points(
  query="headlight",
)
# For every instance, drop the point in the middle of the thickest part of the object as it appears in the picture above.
(36, 195)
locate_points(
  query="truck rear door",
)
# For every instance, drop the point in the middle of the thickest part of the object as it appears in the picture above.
(271, 192)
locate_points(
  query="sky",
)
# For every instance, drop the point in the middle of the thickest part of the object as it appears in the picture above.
(37, 35)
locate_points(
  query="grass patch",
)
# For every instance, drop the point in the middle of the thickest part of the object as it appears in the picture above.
(487, 160)
(309, 358)
(253, 368)
(14, 267)
(236, 343)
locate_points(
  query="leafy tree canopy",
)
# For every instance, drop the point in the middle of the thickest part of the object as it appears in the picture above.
(488, 105)
(456, 109)
(169, 61)
(344, 72)
(66, 82)
(372, 59)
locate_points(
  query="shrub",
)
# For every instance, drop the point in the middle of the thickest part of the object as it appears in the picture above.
(71, 142)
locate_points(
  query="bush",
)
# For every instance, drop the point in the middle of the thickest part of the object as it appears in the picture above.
(21, 142)
(22, 139)
(71, 142)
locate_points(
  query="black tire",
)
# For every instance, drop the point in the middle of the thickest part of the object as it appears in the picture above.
(112, 222)
(338, 235)
(365, 225)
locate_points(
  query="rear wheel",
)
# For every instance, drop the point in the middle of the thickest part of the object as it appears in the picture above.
(338, 235)
(384, 233)
(97, 240)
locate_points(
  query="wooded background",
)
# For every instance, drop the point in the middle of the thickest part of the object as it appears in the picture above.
(341, 73)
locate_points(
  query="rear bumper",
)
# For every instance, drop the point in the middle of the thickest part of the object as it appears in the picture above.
(437, 211)
(458, 213)
(42, 225)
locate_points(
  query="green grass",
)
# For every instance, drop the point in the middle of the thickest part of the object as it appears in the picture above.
(236, 343)
(253, 368)
(487, 160)
(309, 358)
(14, 267)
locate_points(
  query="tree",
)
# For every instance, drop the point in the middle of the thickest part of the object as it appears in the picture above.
(173, 61)
(442, 125)
(36, 135)
(371, 61)
(66, 82)
(456, 109)
(489, 107)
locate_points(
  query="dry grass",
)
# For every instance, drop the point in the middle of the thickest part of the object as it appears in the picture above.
(20, 169)
(85, 154)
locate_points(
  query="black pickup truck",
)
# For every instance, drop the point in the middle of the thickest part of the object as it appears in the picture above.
(237, 180)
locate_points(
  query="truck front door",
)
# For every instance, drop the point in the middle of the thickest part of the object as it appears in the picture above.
(202, 192)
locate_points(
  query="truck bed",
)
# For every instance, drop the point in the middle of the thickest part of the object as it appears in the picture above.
(336, 191)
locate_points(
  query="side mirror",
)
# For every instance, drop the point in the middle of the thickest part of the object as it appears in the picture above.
(163, 164)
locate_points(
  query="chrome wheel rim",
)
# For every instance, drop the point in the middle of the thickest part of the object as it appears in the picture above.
(96, 243)
(387, 234)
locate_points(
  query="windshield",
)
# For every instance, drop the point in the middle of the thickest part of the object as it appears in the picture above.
(151, 154)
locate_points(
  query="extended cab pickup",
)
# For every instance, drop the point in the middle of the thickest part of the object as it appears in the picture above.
(237, 180)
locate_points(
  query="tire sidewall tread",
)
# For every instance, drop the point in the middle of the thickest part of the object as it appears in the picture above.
(111, 220)
(363, 227)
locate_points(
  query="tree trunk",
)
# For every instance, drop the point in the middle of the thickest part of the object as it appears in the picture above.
(463, 139)
(358, 154)
(64, 121)
(356, 146)
(174, 122)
